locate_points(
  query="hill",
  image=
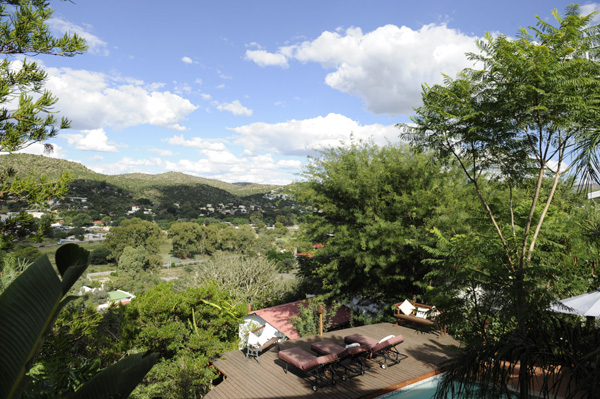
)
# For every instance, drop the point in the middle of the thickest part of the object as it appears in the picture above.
(170, 195)
(139, 184)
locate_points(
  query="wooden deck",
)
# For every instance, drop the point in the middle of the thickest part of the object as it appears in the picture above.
(253, 380)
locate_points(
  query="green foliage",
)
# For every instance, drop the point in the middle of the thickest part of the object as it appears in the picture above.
(285, 260)
(187, 328)
(188, 239)
(10, 268)
(82, 342)
(28, 308)
(134, 259)
(82, 219)
(23, 30)
(134, 281)
(373, 208)
(307, 322)
(249, 280)
(99, 256)
(510, 126)
(135, 234)
(28, 254)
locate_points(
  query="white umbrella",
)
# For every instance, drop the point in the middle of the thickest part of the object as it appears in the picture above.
(584, 305)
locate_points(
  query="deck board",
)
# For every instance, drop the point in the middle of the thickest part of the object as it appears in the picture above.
(252, 380)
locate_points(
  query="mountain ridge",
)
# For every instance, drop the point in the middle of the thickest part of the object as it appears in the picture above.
(53, 167)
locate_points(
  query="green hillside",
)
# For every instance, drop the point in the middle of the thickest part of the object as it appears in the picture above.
(138, 185)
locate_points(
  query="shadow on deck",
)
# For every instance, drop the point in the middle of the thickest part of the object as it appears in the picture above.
(252, 380)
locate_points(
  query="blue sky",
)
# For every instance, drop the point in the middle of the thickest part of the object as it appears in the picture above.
(246, 90)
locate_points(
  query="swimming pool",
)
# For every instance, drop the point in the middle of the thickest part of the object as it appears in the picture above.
(421, 390)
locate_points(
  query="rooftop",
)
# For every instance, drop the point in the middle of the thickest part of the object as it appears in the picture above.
(252, 380)
(279, 317)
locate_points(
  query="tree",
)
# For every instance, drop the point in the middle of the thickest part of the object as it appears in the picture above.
(33, 319)
(134, 233)
(82, 219)
(187, 328)
(99, 256)
(133, 259)
(373, 207)
(26, 116)
(187, 239)
(533, 103)
(249, 280)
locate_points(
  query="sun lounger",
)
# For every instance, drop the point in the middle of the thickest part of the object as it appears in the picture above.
(313, 366)
(385, 348)
(350, 358)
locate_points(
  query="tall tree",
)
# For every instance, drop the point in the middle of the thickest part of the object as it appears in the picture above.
(26, 114)
(134, 233)
(533, 102)
(374, 206)
(187, 239)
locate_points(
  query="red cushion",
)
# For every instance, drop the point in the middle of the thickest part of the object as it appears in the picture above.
(304, 360)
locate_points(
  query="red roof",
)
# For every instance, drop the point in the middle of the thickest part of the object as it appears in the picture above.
(279, 317)
(318, 245)
(307, 254)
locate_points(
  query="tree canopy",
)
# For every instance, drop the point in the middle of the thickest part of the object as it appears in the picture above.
(373, 207)
(26, 109)
(134, 233)
(529, 106)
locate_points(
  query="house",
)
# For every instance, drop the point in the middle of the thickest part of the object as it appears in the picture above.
(279, 318)
(118, 297)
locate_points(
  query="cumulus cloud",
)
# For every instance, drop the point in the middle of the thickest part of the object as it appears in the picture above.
(235, 108)
(95, 100)
(126, 165)
(226, 166)
(196, 142)
(302, 137)
(264, 58)
(95, 44)
(164, 153)
(90, 140)
(187, 60)
(40, 149)
(384, 67)
(589, 8)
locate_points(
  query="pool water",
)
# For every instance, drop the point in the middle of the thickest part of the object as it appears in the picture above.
(421, 390)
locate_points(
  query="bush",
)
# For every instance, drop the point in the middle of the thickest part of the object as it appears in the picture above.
(99, 256)
(307, 321)
(29, 254)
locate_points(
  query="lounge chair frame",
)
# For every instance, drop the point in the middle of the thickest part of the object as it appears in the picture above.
(350, 359)
(255, 351)
(387, 349)
(318, 373)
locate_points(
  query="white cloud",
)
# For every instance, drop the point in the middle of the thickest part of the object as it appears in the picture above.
(164, 153)
(95, 100)
(225, 166)
(235, 108)
(589, 8)
(126, 165)
(302, 137)
(95, 44)
(264, 58)
(39, 149)
(387, 66)
(187, 60)
(196, 142)
(90, 140)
